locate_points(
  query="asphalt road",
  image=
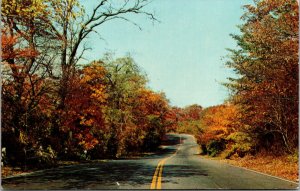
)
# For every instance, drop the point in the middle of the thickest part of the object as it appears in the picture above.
(178, 166)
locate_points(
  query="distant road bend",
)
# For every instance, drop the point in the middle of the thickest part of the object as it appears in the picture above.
(178, 166)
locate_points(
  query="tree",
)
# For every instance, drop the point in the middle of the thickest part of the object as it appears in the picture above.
(151, 113)
(25, 84)
(72, 26)
(123, 80)
(83, 122)
(49, 100)
(186, 120)
(217, 122)
(267, 65)
(193, 111)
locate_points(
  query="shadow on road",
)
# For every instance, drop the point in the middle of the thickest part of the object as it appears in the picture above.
(87, 176)
(112, 174)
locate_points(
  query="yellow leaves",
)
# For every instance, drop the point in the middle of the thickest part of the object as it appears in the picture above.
(93, 78)
(22, 137)
(219, 121)
(24, 9)
(99, 93)
(64, 11)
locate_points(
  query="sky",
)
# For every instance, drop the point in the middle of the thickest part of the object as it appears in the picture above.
(182, 54)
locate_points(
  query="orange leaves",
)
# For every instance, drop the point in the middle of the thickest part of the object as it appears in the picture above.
(267, 62)
(193, 111)
(151, 103)
(84, 105)
(218, 122)
(8, 50)
(93, 77)
(99, 93)
(93, 72)
(88, 141)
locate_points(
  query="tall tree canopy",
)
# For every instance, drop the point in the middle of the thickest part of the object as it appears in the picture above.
(49, 101)
(267, 67)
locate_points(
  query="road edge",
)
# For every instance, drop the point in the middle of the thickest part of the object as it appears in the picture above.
(258, 172)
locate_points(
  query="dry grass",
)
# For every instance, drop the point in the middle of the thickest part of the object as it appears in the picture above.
(284, 166)
(10, 171)
(67, 163)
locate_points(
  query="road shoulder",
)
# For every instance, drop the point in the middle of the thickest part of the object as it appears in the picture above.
(281, 168)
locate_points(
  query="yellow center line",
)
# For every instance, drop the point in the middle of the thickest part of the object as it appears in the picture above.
(158, 185)
(153, 184)
(157, 177)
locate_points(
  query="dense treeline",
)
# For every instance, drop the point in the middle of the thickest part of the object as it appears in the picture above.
(54, 108)
(109, 112)
(186, 120)
(266, 92)
(262, 113)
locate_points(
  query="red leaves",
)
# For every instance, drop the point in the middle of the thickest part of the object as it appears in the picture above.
(84, 115)
(10, 52)
(268, 68)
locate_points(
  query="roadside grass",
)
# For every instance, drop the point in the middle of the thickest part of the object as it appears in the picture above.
(282, 166)
(286, 167)
(7, 171)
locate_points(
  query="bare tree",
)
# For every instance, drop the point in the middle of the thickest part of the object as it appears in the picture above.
(73, 26)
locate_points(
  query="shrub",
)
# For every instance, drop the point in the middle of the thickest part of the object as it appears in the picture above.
(241, 144)
(46, 157)
(214, 147)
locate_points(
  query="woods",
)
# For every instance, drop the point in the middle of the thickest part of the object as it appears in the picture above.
(54, 107)
(57, 107)
(261, 115)
(266, 92)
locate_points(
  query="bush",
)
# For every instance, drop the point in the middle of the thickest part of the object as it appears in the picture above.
(214, 147)
(40, 158)
(46, 157)
(242, 144)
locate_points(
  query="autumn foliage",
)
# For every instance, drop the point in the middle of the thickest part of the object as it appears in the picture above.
(56, 108)
(266, 91)
(53, 107)
(261, 116)
(262, 113)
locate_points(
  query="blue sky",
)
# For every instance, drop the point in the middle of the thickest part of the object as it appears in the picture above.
(182, 54)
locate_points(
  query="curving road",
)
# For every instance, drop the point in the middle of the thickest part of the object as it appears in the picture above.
(177, 166)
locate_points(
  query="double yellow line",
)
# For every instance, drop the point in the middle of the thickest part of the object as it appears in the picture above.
(156, 180)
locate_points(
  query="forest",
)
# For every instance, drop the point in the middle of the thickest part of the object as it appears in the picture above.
(56, 108)
(261, 114)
